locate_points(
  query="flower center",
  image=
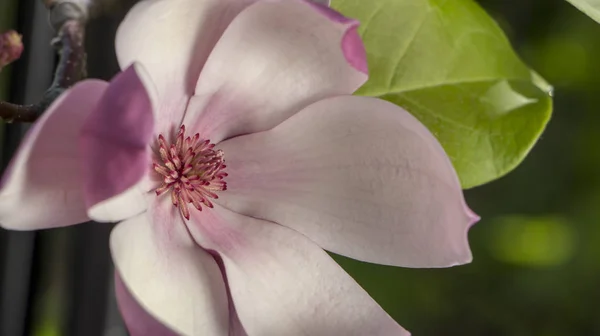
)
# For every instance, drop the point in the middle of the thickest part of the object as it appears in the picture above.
(191, 170)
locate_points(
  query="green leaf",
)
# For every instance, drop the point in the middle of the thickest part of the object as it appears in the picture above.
(589, 7)
(450, 65)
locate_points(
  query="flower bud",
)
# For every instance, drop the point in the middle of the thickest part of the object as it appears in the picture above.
(11, 47)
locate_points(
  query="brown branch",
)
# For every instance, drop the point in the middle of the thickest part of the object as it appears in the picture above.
(68, 17)
(24, 113)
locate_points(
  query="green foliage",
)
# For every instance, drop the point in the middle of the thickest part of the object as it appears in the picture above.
(589, 7)
(450, 65)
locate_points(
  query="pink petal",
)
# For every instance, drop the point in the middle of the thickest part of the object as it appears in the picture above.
(275, 58)
(43, 186)
(138, 321)
(115, 148)
(359, 176)
(172, 39)
(172, 278)
(283, 284)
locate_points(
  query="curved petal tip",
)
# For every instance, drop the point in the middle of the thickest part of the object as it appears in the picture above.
(473, 217)
(352, 45)
(463, 254)
(354, 50)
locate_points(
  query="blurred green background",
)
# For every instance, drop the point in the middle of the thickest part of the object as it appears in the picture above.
(536, 268)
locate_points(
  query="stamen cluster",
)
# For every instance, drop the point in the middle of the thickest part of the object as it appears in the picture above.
(192, 170)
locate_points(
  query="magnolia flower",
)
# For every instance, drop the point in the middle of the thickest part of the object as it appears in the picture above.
(232, 154)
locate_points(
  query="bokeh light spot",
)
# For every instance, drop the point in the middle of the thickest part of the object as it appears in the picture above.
(532, 241)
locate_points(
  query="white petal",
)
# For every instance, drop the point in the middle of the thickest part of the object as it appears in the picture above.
(275, 58)
(283, 284)
(172, 39)
(174, 279)
(359, 176)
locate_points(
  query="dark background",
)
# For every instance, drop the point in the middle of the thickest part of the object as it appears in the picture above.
(536, 268)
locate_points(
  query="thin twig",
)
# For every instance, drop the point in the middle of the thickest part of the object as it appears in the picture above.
(68, 17)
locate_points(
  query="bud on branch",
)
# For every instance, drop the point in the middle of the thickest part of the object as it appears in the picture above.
(11, 47)
(68, 18)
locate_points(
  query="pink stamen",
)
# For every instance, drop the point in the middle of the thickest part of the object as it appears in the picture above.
(191, 169)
